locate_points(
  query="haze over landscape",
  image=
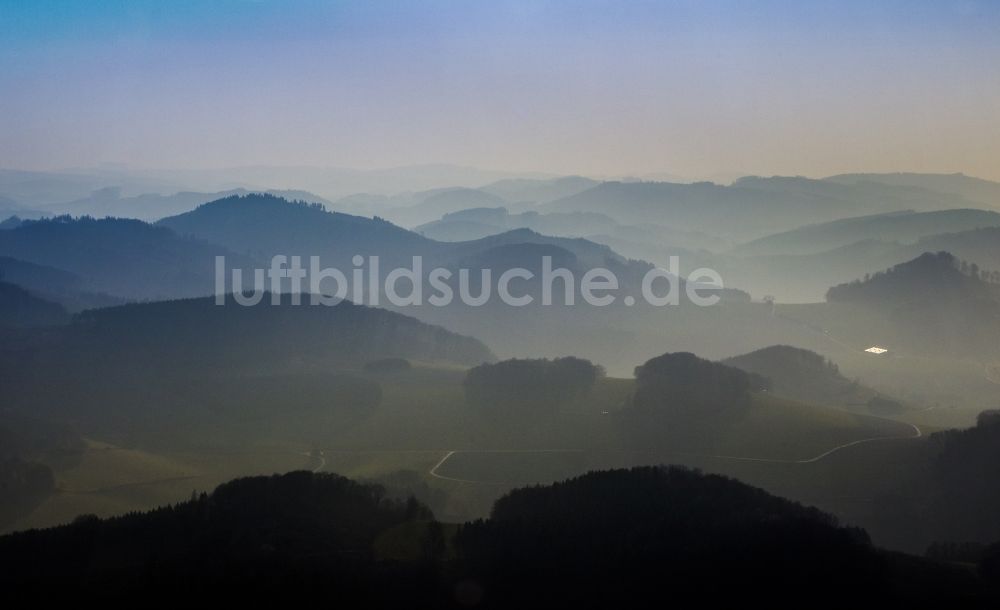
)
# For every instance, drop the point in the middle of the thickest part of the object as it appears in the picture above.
(501, 305)
(679, 89)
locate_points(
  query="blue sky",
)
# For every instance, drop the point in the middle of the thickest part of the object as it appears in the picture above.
(686, 88)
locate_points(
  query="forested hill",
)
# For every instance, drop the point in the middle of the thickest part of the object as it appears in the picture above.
(19, 308)
(799, 374)
(119, 257)
(933, 274)
(263, 225)
(615, 538)
(934, 304)
(197, 334)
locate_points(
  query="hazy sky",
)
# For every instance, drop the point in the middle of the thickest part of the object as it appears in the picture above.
(602, 88)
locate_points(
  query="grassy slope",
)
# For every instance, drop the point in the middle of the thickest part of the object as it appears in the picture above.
(111, 480)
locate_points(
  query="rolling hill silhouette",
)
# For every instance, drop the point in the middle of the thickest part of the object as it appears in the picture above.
(119, 257)
(611, 537)
(903, 227)
(802, 375)
(934, 304)
(20, 308)
(751, 207)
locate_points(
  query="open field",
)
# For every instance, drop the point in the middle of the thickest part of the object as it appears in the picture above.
(111, 480)
(423, 425)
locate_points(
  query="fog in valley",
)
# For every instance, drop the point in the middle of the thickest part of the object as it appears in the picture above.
(381, 313)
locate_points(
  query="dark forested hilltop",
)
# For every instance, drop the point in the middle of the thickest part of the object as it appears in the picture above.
(264, 225)
(937, 275)
(20, 308)
(283, 535)
(120, 257)
(626, 538)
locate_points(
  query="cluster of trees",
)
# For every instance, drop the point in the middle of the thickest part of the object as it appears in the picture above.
(682, 384)
(530, 386)
(972, 270)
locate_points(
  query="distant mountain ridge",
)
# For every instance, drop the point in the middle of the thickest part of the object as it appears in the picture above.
(264, 225)
(120, 257)
(974, 189)
(153, 206)
(905, 227)
(538, 190)
(20, 308)
(751, 207)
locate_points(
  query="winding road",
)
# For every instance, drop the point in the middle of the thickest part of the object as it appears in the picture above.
(316, 456)
(916, 433)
